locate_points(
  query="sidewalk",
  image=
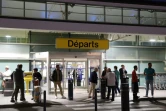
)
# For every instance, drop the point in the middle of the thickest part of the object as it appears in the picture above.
(80, 96)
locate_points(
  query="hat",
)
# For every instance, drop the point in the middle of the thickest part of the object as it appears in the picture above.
(7, 67)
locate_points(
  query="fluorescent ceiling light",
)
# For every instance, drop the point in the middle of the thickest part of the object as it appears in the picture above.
(152, 40)
(8, 36)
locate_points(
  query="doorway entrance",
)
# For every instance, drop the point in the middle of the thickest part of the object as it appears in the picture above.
(77, 66)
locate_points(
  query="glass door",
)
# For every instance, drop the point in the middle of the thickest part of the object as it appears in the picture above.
(55, 62)
(76, 71)
(94, 63)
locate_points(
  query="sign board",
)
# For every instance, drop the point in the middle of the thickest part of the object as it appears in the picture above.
(72, 43)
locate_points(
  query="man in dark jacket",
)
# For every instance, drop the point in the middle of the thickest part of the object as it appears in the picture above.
(93, 83)
(104, 71)
(18, 77)
(36, 75)
(123, 72)
(57, 79)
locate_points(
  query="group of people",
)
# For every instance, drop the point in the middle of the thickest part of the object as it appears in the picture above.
(113, 78)
(18, 78)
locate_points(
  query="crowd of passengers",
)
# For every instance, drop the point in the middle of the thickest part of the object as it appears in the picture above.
(114, 79)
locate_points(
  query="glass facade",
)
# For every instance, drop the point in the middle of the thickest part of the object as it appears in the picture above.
(84, 13)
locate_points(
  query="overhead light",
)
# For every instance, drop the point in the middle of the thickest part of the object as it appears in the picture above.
(8, 36)
(152, 40)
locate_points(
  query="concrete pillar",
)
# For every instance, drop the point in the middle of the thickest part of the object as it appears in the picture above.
(48, 74)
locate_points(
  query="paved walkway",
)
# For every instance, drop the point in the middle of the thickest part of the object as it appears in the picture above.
(79, 96)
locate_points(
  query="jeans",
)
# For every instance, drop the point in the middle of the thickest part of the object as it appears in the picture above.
(16, 90)
(117, 88)
(149, 82)
(109, 91)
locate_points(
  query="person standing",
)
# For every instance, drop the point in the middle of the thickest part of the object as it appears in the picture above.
(135, 83)
(117, 74)
(6, 76)
(104, 71)
(36, 75)
(18, 77)
(149, 73)
(111, 79)
(123, 73)
(57, 79)
(93, 83)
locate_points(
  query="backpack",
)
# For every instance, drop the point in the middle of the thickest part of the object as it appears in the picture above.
(12, 75)
(50, 77)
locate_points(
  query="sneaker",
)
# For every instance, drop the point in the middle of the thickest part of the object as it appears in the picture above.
(63, 97)
(15, 102)
(89, 97)
(22, 99)
(56, 97)
(146, 96)
(12, 100)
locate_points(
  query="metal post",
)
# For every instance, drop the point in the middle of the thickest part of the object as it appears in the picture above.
(44, 102)
(95, 99)
(125, 95)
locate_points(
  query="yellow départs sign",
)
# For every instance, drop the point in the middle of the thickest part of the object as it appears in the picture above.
(72, 43)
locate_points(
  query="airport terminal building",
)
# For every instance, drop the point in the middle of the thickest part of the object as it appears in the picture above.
(82, 34)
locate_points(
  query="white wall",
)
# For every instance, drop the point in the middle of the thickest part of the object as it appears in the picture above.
(14, 51)
(13, 65)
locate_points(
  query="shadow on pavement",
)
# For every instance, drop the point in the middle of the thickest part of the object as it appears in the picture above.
(27, 104)
(158, 103)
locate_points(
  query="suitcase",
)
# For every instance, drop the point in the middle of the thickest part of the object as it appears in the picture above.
(37, 91)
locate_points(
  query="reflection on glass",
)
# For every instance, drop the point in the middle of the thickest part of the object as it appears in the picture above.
(95, 18)
(34, 14)
(76, 16)
(161, 18)
(113, 15)
(95, 10)
(12, 12)
(147, 17)
(35, 6)
(13, 4)
(56, 11)
(130, 16)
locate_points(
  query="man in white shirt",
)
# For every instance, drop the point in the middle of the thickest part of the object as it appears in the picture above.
(7, 73)
(111, 79)
(6, 76)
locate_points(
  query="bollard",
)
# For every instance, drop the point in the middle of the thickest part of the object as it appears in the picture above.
(103, 88)
(70, 89)
(44, 101)
(125, 97)
(95, 99)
